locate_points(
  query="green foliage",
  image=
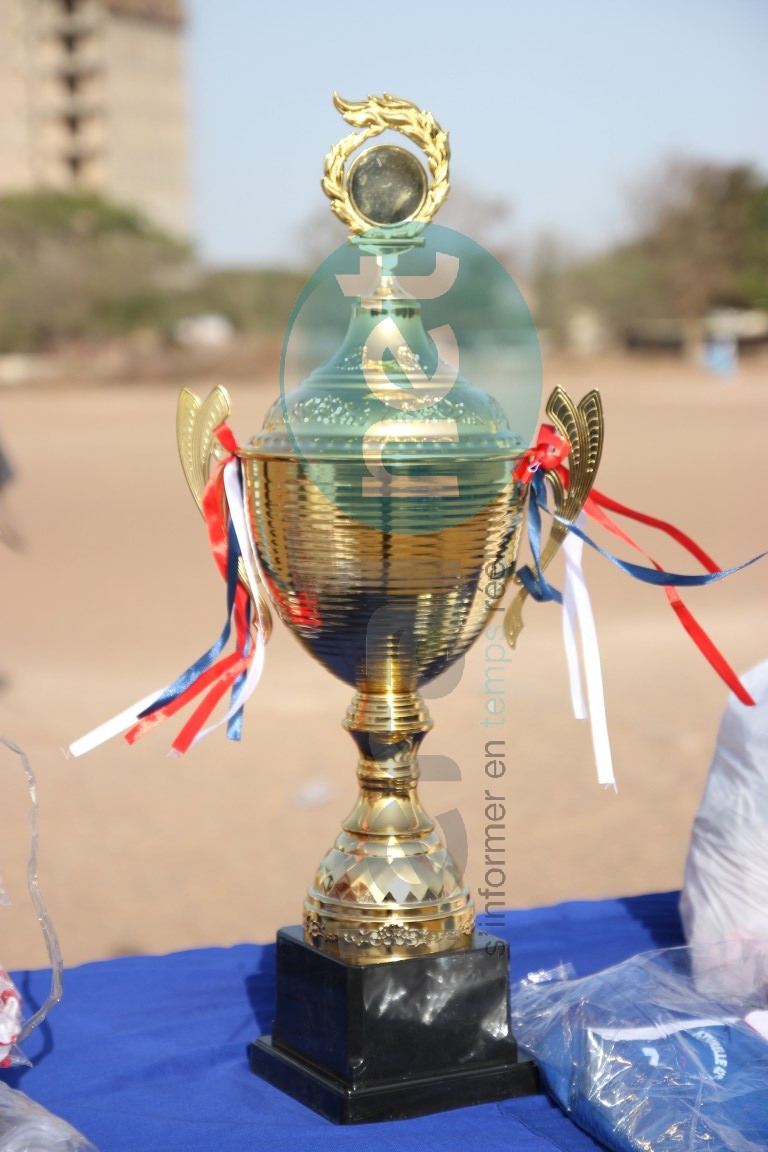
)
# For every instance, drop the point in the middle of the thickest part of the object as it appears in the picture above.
(70, 266)
(753, 282)
(704, 236)
(80, 215)
(255, 301)
(623, 284)
(77, 267)
(702, 243)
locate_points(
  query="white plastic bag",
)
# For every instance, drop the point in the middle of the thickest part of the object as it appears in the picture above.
(725, 891)
(27, 1127)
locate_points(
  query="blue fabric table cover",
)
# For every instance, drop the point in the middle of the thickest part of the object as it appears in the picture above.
(148, 1054)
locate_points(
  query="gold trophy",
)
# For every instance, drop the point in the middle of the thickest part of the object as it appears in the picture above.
(389, 1002)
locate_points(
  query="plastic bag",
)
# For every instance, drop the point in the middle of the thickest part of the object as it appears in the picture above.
(725, 891)
(645, 1056)
(10, 1022)
(27, 1127)
(11, 1029)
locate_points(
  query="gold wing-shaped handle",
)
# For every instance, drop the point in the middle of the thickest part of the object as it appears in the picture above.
(583, 426)
(196, 422)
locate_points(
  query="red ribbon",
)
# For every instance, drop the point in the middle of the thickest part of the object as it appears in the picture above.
(222, 674)
(549, 453)
(595, 506)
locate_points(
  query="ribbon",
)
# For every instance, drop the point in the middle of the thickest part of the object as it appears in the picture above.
(595, 506)
(548, 455)
(550, 452)
(577, 613)
(212, 673)
(244, 686)
(223, 510)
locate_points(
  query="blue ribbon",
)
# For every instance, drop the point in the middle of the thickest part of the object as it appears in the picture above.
(204, 662)
(235, 722)
(536, 585)
(533, 579)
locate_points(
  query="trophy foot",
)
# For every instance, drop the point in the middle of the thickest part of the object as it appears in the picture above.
(389, 889)
(382, 936)
(347, 1037)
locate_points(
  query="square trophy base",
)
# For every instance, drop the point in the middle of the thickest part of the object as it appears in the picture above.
(363, 1042)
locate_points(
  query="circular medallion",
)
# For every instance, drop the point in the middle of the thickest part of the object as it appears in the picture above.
(387, 185)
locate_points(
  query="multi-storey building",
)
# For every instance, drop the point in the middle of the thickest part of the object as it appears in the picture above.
(92, 97)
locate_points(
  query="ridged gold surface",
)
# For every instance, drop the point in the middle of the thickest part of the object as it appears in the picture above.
(386, 612)
(381, 610)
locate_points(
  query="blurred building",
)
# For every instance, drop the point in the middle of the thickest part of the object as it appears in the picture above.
(92, 97)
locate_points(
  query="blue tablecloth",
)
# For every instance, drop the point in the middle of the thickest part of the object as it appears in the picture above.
(148, 1054)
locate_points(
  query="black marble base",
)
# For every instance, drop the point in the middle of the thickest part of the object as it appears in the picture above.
(363, 1042)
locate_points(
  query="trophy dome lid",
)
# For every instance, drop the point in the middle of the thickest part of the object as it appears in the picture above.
(388, 387)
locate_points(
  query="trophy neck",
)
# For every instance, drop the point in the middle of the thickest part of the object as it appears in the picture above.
(388, 729)
(387, 716)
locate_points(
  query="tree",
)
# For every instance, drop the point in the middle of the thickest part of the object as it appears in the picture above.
(705, 233)
(75, 266)
(701, 242)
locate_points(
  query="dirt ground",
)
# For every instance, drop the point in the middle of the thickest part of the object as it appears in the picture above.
(115, 593)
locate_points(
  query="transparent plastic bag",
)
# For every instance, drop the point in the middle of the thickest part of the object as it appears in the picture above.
(12, 1031)
(27, 1127)
(725, 891)
(10, 1022)
(24, 1125)
(655, 1053)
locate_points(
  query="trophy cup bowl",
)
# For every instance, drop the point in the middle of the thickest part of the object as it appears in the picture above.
(386, 612)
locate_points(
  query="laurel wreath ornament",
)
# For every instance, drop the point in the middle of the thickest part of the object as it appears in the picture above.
(374, 116)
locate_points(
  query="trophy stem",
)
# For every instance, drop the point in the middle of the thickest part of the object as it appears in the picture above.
(388, 889)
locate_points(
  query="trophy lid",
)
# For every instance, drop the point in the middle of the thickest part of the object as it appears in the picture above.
(392, 411)
(389, 382)
(365, 391)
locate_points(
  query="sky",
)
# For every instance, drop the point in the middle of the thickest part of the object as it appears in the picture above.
(560, 109)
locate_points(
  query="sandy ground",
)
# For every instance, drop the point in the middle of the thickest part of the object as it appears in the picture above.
(115, 593)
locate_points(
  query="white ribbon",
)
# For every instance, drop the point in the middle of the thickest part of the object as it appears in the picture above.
(113, 727)
(577, 612)
(234, 493)
(132, 715)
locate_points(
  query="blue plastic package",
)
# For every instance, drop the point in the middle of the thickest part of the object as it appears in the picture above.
(658, 1052)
